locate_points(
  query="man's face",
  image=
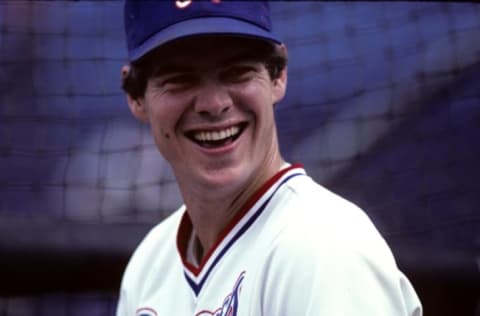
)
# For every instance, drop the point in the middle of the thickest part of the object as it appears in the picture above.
(210, 107)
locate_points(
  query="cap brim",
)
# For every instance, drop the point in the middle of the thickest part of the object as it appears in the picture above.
(202, 26)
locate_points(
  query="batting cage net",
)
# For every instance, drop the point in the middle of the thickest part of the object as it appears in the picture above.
(382, 107)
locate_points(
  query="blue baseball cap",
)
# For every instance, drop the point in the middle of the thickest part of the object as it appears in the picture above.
(152, 23)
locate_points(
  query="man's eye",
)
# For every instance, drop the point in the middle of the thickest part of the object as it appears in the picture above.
(238, 73)
(176, 82)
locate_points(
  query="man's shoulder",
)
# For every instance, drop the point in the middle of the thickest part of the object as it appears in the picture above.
(157, 249)
(317, 219)
(329, 246)
(318, 200)
(163, 233)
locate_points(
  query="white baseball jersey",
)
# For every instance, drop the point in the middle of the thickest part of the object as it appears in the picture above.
(294, 249)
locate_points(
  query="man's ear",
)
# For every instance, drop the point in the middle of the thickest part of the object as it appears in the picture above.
(136, 105)
(138, 109)
(280, 83)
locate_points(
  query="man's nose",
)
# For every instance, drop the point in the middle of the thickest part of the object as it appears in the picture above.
(213, 99)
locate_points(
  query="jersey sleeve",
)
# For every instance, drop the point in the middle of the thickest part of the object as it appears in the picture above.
(155, 250)
(122, 305)
(335, 272)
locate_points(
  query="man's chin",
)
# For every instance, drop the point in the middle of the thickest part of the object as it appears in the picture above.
(222, 179)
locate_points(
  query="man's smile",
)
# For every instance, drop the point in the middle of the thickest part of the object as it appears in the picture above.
(217, 137)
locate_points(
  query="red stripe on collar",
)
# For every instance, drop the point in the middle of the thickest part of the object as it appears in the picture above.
(185, 227)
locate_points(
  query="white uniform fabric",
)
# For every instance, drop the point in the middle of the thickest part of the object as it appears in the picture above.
(295, 249)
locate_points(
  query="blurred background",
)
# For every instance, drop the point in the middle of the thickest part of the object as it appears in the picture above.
(382, 107)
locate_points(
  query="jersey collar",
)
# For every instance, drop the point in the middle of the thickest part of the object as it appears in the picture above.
(197, 274)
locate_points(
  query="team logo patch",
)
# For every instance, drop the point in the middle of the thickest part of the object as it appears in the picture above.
(182, 4)
(146, 311)
(230, 304)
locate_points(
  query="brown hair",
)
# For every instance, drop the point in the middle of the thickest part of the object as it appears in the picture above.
(135, 81)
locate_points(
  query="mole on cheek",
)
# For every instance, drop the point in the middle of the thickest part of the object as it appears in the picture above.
(165, 134)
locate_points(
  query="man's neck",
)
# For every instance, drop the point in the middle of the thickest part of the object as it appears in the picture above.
(210, 217)
(211, 214)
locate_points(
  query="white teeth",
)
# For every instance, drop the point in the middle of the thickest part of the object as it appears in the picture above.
(216, 135)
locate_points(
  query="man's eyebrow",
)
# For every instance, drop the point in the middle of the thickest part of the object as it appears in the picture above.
(243, 57)
(172, 68)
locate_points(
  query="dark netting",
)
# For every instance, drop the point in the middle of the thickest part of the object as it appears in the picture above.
(383, 107)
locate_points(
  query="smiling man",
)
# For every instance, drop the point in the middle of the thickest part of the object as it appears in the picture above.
(256, 235)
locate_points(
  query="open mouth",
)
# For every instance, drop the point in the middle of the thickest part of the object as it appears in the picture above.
(216, 138)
